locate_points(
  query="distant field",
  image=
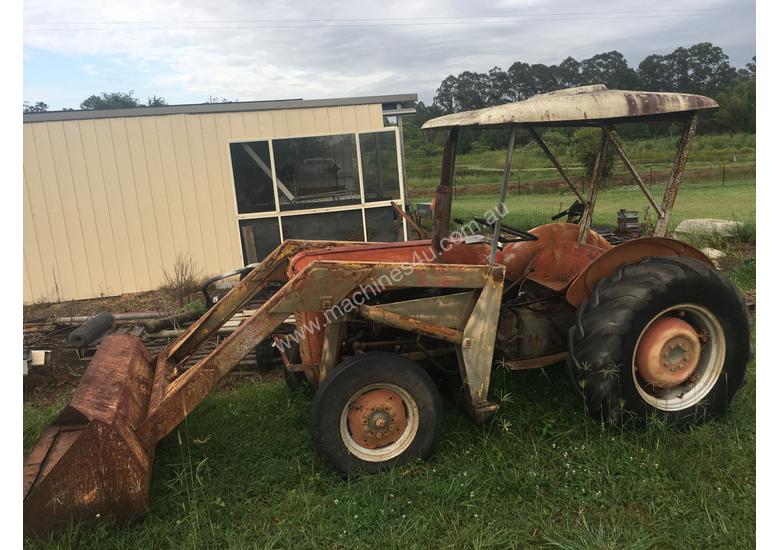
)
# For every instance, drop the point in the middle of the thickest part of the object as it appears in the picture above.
(709, 153)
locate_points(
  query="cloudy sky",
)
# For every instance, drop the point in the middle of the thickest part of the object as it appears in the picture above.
(188, 50)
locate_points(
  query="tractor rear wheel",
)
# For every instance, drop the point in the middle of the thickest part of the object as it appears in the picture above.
(373, 412)
(668, 337)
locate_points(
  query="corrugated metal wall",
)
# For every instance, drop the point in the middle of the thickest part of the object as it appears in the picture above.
(109, 203)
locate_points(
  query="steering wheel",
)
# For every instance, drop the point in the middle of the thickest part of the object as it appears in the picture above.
(521, 236)
(573, 213)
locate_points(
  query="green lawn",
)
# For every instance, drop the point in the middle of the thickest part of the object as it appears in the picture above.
(240, 472)
(736, 200)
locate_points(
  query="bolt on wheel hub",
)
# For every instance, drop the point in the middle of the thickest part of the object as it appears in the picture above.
(376, 418)
(668, 352)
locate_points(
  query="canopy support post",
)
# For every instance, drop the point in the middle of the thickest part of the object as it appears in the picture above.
(675, 178)
(504, 184)
(598, 170)
(554, 160)
(631, 170)
(442, 207)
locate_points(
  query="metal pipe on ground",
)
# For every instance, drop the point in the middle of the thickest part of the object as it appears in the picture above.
(171, 321)
(132, 316)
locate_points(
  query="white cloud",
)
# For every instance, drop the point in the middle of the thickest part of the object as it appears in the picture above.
(238, 53)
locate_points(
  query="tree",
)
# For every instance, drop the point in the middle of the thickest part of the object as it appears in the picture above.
(120, 100)
(586, 143)
(709, 68)
(655, 74)
(155, 101)
(701, 69)
(609, 68)
(749, 71)
(530, 80)
(470, 91)
(568, 73)
(113, 100)
(737, 111)
(444, 100)
(37, 107)
(499, 85)
(215, 99)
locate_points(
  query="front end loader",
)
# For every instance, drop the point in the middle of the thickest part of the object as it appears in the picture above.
(647, 328)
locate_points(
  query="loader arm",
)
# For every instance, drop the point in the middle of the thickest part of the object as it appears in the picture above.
(96, 458)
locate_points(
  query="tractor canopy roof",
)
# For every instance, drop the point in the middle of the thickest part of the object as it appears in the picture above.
(581, 106)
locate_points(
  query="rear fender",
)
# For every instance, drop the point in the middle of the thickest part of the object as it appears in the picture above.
(627, 253)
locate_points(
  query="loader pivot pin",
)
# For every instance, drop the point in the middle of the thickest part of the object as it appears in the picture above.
(377, 418)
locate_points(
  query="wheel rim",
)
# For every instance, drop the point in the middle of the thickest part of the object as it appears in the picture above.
(379, 422)
(679, 357)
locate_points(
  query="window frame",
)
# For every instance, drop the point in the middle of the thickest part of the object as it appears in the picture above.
(279, 214)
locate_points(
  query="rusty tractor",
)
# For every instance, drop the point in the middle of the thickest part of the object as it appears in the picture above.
(646, 328)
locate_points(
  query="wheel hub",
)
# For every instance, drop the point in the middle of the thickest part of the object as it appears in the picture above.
(668, 352)
(376, 418)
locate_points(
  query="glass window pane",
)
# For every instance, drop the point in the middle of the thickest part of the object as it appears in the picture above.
(383, 225)
(342, 226)
(316, 172)
(258, 238)
(379, 159)
(252, 176)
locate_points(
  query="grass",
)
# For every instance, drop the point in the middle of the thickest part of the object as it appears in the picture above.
(735, 200)
(240, 471)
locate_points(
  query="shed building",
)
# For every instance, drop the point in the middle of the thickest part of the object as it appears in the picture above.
(113, 197)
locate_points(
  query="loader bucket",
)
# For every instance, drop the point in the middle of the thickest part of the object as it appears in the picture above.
(90, 462)
(95, 459)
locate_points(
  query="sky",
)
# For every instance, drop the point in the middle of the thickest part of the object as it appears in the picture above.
(189, 50)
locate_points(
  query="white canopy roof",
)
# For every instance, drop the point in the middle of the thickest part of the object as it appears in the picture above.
(577, 106)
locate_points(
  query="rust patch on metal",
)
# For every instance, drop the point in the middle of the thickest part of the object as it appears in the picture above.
(405, 322)
(421, 233)
(537, 362)
(668, 352)
(627, 253)
(556, 266)
(89, 462)
(675, 179)
(518, 256)
(377, 418)
(442, 202)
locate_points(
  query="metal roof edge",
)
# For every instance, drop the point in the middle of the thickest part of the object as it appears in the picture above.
(207, 108)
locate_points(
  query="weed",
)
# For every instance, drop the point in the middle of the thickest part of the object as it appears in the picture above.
(183, 280)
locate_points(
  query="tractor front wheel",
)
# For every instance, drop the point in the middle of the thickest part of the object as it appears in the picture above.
(668, 337)
(375, 411)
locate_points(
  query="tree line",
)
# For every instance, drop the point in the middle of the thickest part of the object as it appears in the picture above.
(113, 100)
(699, 69)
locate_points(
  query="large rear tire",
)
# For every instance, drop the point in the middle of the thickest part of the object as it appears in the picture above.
(375, 411)
(668, 337)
